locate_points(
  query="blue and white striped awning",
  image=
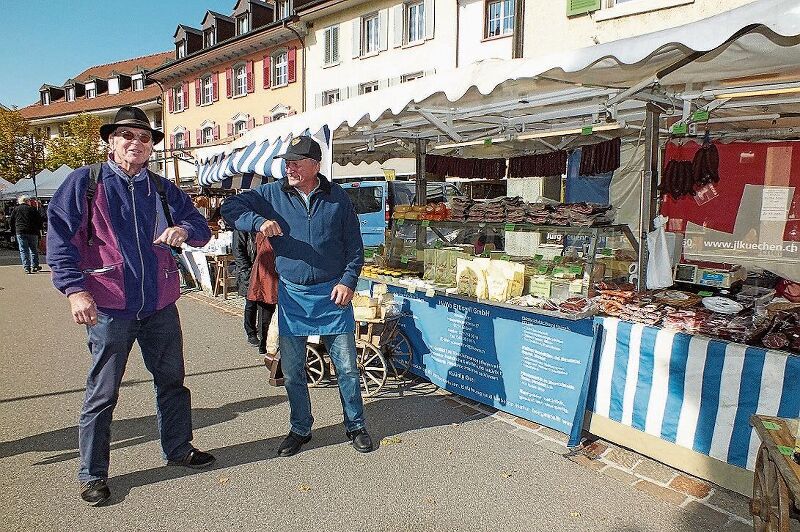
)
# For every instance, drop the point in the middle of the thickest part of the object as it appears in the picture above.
(251, 165)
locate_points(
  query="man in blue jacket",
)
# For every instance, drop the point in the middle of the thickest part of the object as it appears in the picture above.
(315, 233)
(108, 246)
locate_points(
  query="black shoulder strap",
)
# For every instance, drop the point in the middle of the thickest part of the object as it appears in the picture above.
(91, 188)
(162, 193)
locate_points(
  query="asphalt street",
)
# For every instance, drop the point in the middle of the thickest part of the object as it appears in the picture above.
(439, 468)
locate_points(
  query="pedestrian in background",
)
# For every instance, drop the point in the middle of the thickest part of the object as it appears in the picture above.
(244, 254)
(111, 251)
(315, 233)
(26, 226)
(263, 289)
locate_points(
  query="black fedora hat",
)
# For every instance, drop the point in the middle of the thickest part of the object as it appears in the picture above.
(132, 117)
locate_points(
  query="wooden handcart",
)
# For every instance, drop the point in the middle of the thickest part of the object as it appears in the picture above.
(776, 483)
(382, 351)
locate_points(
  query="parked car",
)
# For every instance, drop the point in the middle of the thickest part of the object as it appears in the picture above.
(374, 202)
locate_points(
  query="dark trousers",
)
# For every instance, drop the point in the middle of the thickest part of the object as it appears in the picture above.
(110, 342)
(258, 314)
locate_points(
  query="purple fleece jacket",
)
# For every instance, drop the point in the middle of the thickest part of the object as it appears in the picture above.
(127, 275)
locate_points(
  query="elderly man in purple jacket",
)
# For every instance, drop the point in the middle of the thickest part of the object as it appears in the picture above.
(110, 246)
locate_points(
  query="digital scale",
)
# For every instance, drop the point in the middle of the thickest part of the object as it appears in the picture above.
(716, 275)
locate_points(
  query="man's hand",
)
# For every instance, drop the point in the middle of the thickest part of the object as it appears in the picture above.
(270, 228)
(84, 311)
(172, 236)
(342, 295)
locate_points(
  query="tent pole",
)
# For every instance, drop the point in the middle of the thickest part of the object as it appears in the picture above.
(421, 148)
(647, 199)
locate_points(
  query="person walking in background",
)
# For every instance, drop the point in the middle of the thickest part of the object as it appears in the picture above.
(26, 226)
(315, 233)
(112, 231)
(263, 288)
(244, 254)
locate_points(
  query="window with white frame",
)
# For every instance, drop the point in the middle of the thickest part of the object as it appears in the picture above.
(239, 127)
(499, 17)
(208, 38)
(180, 49)
(91, 92)
(282, 9)
(208, 135)
(138, 84)
(180, 140)
(332, 45)
(70, 94)
(411, 77)
(370, 36)
(368, 87)
(45, 98)
(329, 97)
(239, 80)
(415, 22)
(280, 68)
(177, 98)
(242, 25)
(207, 94)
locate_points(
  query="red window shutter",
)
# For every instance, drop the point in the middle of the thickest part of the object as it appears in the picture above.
(199, 133)
(197, 86)
(188, 140)
(216, 132)
(185, 94)
(251, 123)
(292, 64)
(250, 83)
(229, 82)
(267, 67)
(267, 119)
(172, 142)
(230, 129)
(171, 100)
(215, 86)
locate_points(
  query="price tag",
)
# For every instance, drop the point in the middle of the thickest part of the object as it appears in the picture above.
(505, 257)
(586, 130)
(679, 129)
(540, 287)
(770, 425)
(486, 254)
(705, 293)
(400, 221)
(785, 451)
(438, 244)
(426, 223)
(411, 289)
(404, 259)
(576, 270)
(430, 292)
(538, 257)
(607, 252)
(510, 227)
(700, 116)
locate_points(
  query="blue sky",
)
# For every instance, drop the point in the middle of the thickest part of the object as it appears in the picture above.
(49, 41)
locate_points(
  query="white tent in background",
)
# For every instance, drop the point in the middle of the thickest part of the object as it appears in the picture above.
(4, 184)
(48, 184)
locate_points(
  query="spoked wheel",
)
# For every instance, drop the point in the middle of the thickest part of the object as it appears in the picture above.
(398, 354)
(770, 502)
(371, 366)
(315, 365)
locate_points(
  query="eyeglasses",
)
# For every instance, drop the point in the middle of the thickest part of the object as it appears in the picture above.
(144, 138)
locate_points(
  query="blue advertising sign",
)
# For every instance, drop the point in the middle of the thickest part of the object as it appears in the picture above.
(530, 365)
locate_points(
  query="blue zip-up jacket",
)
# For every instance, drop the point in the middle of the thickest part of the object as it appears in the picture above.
(320, 243)
(127, 275)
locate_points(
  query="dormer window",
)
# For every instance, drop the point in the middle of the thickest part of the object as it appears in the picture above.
(70, 94)
(208, 38)
(242, 25)
(180, 49)
(91, 92)
(138, 83)
(45, 98)
(283, 9)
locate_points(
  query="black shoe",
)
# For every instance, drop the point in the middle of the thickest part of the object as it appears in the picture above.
(360, 440)
(95, 492)
(253, 340)
(292, 443)
(28, 270)
(195, 459)
(37, 268)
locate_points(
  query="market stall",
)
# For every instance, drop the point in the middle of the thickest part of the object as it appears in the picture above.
(716, 74)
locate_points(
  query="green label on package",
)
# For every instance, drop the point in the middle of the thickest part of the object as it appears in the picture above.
(577, 270)
(770, 425)
(509, 227)
(399, 221)
(542, 269)
(438, 244)
(607, 252)
(404, 259)
(505, 257)
(537, 257)
(785, 451)
(426, 223)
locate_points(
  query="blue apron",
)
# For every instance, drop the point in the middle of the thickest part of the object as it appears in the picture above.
(305, 310)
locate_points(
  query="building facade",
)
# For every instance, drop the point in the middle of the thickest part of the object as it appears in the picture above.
(234, 73)
(100, 90)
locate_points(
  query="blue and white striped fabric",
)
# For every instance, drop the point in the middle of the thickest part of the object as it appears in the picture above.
(690, 390)
(256, 159)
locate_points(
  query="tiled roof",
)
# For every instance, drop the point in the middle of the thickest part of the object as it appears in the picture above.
(61, 107)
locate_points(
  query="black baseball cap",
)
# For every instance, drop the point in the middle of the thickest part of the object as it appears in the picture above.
(303, 147)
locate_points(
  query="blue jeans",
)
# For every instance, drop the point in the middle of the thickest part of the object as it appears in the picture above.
(28, 250)
(110, 342)
(342, 350)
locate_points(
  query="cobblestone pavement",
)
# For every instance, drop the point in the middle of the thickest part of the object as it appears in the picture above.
(444, 463)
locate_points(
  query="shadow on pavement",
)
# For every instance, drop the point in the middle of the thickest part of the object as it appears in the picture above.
(127, 432)
(385, 418)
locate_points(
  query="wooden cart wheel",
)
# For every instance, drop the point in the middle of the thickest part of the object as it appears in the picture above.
(371, 366)
(315, 365)
(770, 502)
(398, 354)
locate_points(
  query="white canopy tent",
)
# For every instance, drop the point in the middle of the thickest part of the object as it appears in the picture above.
(48, 184)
